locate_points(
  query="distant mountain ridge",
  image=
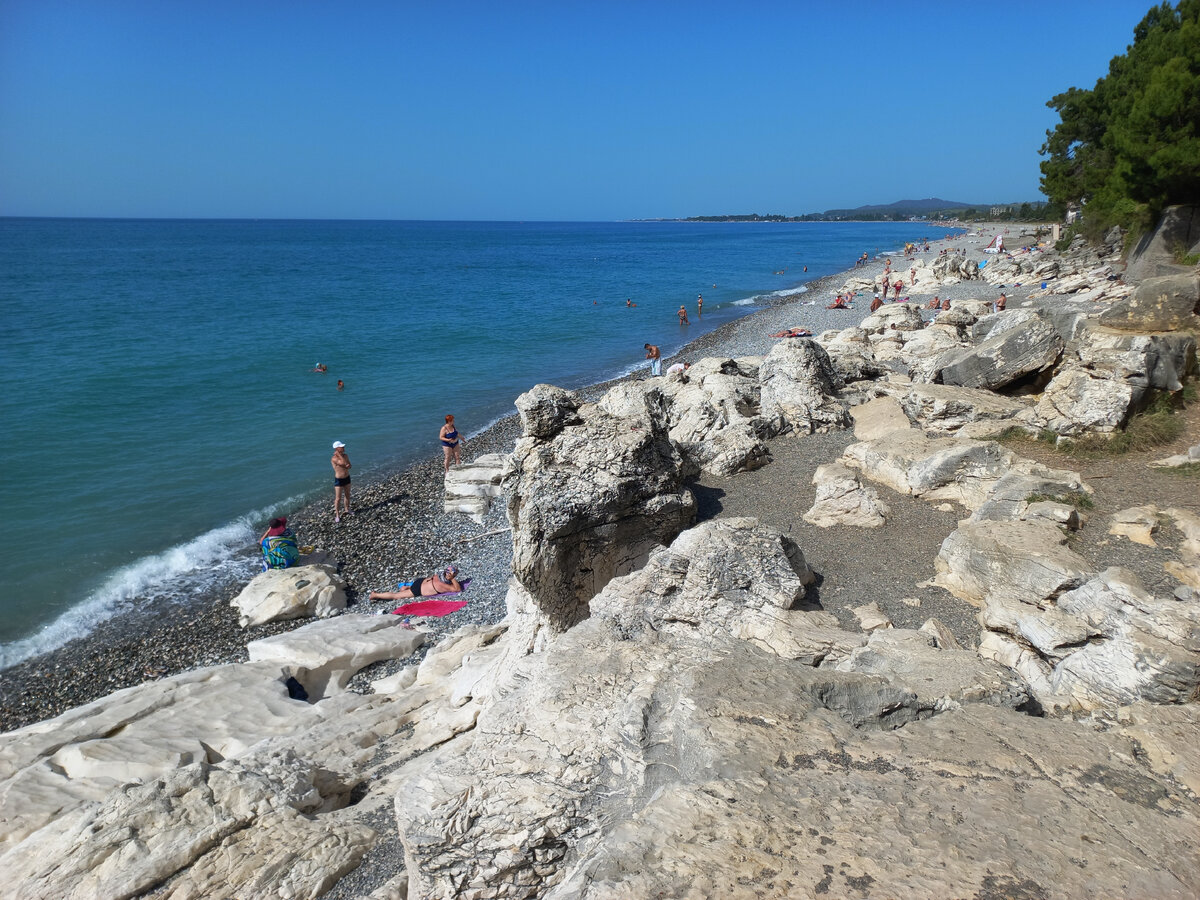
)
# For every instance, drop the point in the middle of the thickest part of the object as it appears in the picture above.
(927, 205)
(928, 208)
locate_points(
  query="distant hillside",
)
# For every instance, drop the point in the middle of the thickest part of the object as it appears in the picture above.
(929, 205)
(901, 210)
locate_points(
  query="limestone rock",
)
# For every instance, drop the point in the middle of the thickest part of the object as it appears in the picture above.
(714, 417)
(323, 656)
(1143, 361)
(854, 361)
(843, 500)
(1007, 355)
(1149, 647)
(1154, 254)
(1165, 303)
(932, 468)
(141, 835)
(879, 417)
(944, 676)
(871, 617)
(545, 410)
(735, 771)
(1076, 402)
(799, 389)
(1019, 562)
(728, 576)
(1191, 457)
(1138, 523)
(141, 732)
(1167, 737)
(945, 409)
(1031, 491)
(893, 317)
(295, 593)
(471, 487)
(591, 502)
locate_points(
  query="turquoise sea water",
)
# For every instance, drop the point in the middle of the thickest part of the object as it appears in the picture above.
(159, 403)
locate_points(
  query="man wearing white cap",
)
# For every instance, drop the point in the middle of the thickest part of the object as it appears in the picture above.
(341, 480)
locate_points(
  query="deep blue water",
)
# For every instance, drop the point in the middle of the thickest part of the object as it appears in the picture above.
(159, 402)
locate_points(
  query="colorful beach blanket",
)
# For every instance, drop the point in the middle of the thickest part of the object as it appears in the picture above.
(430, 608)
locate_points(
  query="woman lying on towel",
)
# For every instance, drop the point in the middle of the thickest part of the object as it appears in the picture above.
(792, 332)
(445, 582)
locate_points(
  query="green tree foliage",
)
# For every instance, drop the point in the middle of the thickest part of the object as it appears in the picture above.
(1131, 145)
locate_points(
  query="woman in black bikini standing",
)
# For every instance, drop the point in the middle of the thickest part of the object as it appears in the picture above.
(451, 443)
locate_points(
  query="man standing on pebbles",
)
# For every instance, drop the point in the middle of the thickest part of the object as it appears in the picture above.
(341, 479)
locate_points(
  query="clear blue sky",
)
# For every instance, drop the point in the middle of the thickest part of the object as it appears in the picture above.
(531, 110)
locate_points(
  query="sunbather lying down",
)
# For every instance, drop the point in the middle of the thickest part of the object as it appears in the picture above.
(792, 332)
(445, 582)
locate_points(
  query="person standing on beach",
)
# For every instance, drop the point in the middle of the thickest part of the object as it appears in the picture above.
(341, 480)
(655, 358)
(451, 444)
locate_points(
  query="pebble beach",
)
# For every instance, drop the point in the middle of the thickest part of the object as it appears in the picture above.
(399, 531)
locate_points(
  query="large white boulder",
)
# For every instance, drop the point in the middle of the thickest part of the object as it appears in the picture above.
(295, 593)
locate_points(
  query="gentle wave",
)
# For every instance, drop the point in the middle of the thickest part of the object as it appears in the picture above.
(209, 558)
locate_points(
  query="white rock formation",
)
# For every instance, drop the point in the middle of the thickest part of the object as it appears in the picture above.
(295, 593)
(843, 500)
(471, 487)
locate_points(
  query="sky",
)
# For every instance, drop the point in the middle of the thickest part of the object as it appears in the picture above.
(564, 110)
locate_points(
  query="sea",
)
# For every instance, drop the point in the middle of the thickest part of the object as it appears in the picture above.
(160, 401)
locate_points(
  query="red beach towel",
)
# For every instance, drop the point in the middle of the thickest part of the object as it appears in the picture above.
(430, 608)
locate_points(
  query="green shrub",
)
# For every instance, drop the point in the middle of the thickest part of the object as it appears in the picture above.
(1077, 499)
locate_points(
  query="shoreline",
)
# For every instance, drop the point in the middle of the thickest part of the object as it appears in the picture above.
(399, 531)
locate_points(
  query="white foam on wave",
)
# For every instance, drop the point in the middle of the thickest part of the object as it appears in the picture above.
(178, 571)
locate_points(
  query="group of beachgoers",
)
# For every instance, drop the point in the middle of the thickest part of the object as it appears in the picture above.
(281, 549)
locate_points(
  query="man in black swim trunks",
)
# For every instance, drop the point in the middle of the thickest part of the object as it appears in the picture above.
(341, 480)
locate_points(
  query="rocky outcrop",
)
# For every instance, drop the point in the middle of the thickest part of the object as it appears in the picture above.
(943, 677)
(268, 831)
(1103, 644)
(1168, 303)
(953, 267)
(637, 733)
(323, 656)
(1007, 355)
(590, 494)
(843, 500)
(713, 415)
(1154, 254)
(297, 593)
(946, 409)
(729, 577)
(799, 389)
(471, 487)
